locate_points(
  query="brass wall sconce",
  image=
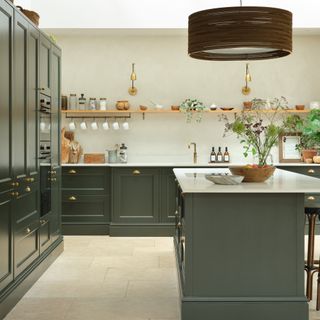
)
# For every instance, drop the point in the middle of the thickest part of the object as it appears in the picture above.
(246, 90)
(133, 90)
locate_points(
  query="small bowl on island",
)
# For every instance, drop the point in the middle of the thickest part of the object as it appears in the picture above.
(253, 172)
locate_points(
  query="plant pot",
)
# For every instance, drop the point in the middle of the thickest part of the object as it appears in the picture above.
(247, 105)
(253, 174)
(308, 154)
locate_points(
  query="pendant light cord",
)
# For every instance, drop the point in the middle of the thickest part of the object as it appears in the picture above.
(240, 3)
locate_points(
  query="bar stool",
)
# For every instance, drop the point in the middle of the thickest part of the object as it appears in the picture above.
(310, 267)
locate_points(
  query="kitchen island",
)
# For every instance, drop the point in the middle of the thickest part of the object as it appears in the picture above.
(240, 248)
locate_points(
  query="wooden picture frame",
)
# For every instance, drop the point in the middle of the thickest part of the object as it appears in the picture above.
(287, 148)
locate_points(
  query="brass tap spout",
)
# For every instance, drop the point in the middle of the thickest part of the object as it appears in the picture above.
(195, 156)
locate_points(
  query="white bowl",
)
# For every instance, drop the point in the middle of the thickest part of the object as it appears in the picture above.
(224, 179)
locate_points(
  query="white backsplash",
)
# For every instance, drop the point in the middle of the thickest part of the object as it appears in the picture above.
(100, 66)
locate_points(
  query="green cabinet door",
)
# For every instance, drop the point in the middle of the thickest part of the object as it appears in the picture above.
(6, 43)
(136, 195)
(168, 195)
(19, 106)
(45, 65)
(6, 261)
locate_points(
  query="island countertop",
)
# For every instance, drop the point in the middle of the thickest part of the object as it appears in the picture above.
(193, 180)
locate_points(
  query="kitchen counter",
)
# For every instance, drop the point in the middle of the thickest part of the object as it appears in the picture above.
(240, 248)
(194, 181)
(179, 164)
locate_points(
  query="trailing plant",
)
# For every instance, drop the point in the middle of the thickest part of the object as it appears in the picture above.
(191, 107)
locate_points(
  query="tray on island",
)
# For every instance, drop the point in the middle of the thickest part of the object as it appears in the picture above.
(225, 179)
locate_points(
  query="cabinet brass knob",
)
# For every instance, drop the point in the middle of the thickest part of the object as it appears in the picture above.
(29, 179)
(179, 225)
(28, 230)
(176, 213)
(312, 198)
(28, 189)
(72, 171)
(310, 171)
(54, 179)
(15, 194)
(136, 172)
(72, 198)
(15, 184)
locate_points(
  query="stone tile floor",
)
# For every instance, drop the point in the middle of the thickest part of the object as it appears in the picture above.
(98, 277)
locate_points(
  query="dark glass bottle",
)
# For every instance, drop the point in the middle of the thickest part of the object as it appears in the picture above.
(219, 155)
(226, 156)
(213, 156)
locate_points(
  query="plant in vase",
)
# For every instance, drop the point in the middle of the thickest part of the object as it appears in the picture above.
(309, 130)
(192, 106)
(258, 136)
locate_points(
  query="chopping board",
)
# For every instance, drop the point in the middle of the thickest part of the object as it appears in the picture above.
(94, 158)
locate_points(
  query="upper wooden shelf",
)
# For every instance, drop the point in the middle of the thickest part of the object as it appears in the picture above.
(115, 111)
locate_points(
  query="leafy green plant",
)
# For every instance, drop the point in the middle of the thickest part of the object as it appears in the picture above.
(308, 128)
(191, 107)
(257, 135)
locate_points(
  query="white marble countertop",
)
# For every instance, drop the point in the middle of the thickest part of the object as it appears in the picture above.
(176, 164)
(281, 182)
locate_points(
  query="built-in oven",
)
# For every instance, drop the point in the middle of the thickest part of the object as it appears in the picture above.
(45, 127)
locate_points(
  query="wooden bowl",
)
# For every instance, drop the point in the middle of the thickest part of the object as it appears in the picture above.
(143, 108)
(175, 108)
(300, 107)
(253, 174)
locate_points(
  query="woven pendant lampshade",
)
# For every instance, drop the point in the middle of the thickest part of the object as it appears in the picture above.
(240, 33)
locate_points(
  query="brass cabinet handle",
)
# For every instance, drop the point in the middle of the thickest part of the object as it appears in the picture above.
(54, 179)
(15, 184)
(28, 230)
(136, 172)
(72, 198)
(179, 225)
(310, 171)
(29, 179)
(176, 213)
(312, 198)
(72, 171)
(28, 189)
(15, 194)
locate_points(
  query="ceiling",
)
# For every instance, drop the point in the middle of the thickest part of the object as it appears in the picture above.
(162, 14)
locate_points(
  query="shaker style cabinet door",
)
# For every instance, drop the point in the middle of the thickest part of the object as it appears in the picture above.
(6, 239)
(45, 66)
(136, 195)
(168, 196)
(20, 103)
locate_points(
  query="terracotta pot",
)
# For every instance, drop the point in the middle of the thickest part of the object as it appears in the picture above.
(253, 174)
(143, 108)
(247, 105)
(308, 154)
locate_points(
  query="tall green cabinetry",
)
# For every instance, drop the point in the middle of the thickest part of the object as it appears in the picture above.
(22, 226)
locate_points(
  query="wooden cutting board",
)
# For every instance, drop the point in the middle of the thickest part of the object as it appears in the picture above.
(94, 158)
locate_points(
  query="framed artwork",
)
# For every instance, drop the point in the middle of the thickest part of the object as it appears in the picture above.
(287, 148)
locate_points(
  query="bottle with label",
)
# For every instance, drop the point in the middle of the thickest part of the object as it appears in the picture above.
(92, 104)
(213, 156)
(219, 155)
(82, 101)
(226, 156)
(123, 156)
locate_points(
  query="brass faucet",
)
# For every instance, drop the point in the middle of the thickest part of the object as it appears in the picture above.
(195, 156)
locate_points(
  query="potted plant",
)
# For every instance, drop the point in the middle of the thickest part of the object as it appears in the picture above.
(309, 130)
(258, 136)
(192, 106)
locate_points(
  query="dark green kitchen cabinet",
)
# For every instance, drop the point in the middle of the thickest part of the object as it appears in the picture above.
(168, 195)
(6, 261)
(45, 63)
(136, 196)
(20, 102)
(86, 200)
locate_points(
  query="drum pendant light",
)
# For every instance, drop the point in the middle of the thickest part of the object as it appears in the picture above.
(240, 33)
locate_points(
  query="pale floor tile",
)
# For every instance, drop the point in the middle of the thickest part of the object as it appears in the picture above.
(98, 278)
